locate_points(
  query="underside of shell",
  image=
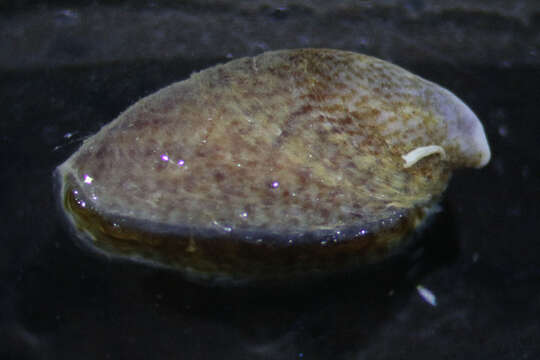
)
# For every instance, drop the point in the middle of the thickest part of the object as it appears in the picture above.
(289, 163)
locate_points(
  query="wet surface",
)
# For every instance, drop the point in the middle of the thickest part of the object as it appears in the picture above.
(480, 257)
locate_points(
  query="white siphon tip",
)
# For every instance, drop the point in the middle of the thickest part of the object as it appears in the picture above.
(421, 152)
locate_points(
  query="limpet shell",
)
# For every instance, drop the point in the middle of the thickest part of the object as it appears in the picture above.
(286, 164)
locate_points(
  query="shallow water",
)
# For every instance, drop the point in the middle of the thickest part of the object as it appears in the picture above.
(480, 258)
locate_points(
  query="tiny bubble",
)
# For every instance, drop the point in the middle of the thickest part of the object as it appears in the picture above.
(427, 295)
(88, 179)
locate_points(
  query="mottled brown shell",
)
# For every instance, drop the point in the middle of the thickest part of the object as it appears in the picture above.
(277, 165)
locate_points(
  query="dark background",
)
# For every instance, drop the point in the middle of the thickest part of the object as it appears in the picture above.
(66, 70)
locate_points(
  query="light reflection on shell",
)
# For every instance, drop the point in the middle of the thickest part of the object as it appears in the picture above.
(286, 164)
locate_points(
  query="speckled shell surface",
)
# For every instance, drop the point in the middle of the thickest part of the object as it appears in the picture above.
(289, 147)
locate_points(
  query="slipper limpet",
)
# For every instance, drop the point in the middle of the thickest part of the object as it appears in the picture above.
(289, 163)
